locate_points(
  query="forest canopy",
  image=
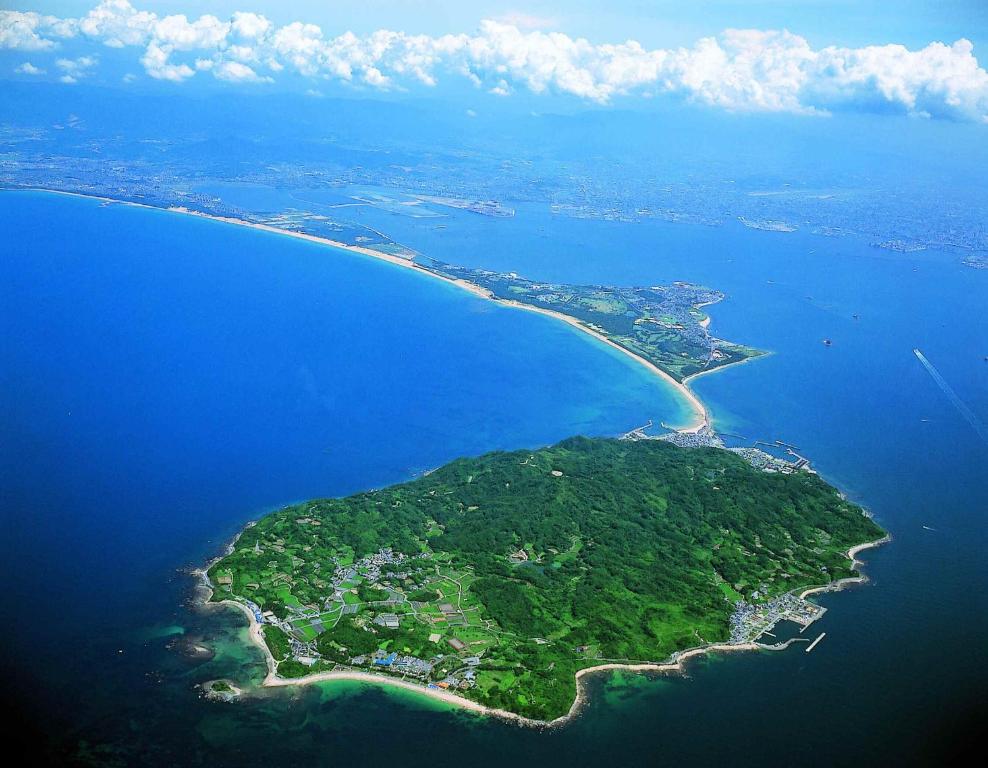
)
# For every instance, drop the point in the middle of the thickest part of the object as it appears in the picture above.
(588, 550)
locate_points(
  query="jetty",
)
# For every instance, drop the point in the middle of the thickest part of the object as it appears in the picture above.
(813, 644)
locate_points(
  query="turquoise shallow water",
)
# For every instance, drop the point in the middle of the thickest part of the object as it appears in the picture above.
(164, 379)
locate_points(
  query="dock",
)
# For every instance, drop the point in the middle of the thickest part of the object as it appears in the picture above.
(638, 433)
(813, 644)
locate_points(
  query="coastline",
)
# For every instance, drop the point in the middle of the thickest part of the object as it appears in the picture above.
(700, 410)
(675, 663)
(271, 679)
(861, 578)
(724, 367)
(700, 417)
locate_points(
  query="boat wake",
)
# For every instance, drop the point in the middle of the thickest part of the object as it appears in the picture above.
(959, 404)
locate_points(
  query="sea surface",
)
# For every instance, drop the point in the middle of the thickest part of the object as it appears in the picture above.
(165, 379)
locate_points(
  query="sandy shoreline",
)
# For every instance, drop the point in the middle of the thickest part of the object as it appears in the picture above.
(701, 419)
(700, 416)
(675, 663)
(708, 371)
(272, 680)
(472, 706)
(700, 413)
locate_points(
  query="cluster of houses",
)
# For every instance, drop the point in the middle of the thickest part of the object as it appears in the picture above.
(370, 570)
(766, 462)
(462, 678)
(393, 662)
(707, 438)
(749, 622)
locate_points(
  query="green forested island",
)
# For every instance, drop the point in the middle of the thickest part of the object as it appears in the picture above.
(502, 576)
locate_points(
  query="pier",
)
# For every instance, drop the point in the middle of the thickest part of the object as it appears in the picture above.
(638, 433)
(813, 644)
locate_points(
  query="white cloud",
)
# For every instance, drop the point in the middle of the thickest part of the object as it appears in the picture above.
(83, 62)
(250, 26)
(117, 24)
(502, 88)
(180, 34)
(75, 69)
(30, 31)
(737, 70)
(27, 68)
(235, 72)
(299, 46)
(155, 63)
(375, 77)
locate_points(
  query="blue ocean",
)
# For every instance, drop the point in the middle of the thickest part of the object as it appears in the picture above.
(166, 379)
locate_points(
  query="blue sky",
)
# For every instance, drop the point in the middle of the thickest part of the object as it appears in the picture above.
(796, 56)
(653, 22)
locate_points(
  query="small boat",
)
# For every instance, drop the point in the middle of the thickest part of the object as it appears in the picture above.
(827, 343)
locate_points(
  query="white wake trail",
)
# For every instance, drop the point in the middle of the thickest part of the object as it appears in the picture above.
(959, 404)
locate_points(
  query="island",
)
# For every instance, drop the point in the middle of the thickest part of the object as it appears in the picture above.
(497, 582)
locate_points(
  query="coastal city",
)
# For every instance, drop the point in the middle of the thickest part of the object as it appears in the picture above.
(423, 181)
